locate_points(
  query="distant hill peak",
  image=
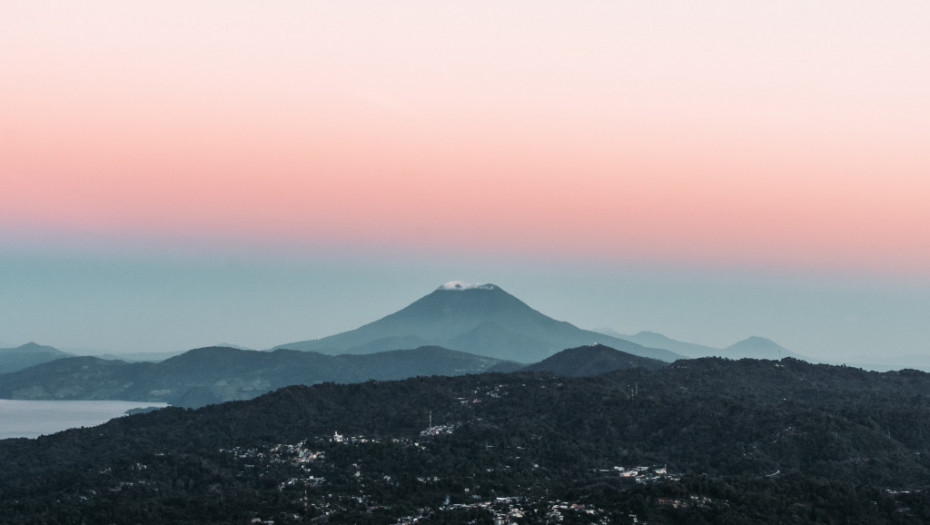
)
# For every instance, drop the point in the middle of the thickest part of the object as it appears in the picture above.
(36, 347)
(589, 360)
(757, 348)
(652, 336)
(756, 341)
(30, 345)
(454, 286)
(27, 355)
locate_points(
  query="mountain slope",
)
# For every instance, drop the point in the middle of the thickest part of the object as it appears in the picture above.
(591, 360)
(482, 320)
(215, 374)
(29, 354)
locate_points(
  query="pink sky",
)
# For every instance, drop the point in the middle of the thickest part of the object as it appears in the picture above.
(779, 134)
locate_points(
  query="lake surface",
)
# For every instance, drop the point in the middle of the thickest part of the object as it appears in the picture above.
(35, 418)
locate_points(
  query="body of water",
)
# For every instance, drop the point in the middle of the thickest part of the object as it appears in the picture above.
(35, 418)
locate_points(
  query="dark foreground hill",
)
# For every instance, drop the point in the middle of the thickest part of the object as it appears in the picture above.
(704, 441)
(482, 320)
(216, 374)
(590, 361)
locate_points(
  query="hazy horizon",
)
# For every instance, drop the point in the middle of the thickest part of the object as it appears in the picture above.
(176, 174)
(108, 306)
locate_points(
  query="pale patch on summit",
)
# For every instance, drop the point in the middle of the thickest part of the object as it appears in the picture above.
(459, 285)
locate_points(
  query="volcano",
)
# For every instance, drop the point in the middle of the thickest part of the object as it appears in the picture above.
(479, 319)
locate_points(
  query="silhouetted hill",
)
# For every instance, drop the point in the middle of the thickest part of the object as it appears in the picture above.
(591, 360)
(483, 320)
(29, 354)
(215, 374)
(703, 441)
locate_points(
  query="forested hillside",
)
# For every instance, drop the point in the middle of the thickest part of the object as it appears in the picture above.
(704, 441)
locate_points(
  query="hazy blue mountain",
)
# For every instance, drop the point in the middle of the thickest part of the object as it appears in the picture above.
(592, 360)
(483, 320)
(29, 354)
(656, 340)
(81, 377)
(757, 348)
(158, 356)
(215, 374)
(753, 347)
(138, 357)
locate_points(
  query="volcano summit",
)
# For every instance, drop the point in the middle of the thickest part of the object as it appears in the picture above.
(479, 319)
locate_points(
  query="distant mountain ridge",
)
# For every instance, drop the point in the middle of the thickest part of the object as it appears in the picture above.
(216, 374)
(480, 319)
(754, 347)
(27, 355)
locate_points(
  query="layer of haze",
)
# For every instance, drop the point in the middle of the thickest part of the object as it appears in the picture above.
(175, 174)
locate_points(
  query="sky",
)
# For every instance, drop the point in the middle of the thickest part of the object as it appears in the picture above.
(179, 174)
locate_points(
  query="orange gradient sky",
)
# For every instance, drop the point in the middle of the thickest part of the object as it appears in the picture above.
(775, 136)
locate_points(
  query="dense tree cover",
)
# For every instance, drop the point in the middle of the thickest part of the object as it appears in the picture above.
(592, 360)
(725, 442)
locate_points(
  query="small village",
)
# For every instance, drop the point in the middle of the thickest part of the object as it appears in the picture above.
(315, 495)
